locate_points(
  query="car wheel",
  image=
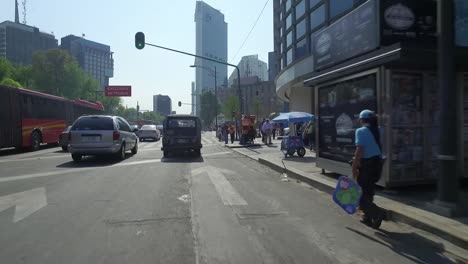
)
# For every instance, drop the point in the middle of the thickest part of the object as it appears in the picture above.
(291, 152)
(65, 148)
(35, 141)
(301, 152)
(77, 157)
(135, 148)
(121, 153)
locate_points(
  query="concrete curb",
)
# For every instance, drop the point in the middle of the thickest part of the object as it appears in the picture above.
(244, 146)
(396, 215)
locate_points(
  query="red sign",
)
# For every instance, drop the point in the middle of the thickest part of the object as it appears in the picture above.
(116, 90)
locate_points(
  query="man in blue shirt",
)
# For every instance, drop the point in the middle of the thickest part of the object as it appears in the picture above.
(367, 167)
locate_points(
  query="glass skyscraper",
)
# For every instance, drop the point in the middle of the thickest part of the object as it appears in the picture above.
(211, 42)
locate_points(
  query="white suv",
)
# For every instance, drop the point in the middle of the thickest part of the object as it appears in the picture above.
(100, 135)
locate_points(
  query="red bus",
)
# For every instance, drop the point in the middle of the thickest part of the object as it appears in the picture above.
(29, 118)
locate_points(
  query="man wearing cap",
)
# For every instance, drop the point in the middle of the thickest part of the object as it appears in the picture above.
(367, 166)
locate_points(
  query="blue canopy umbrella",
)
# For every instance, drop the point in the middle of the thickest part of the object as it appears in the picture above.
(293, 117)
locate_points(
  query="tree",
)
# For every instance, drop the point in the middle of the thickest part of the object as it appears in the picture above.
(208, 107)
(23, 75)
(6, 69)
(152, 116)
(111, 104)
(56, 72)
(231, 105)
(10, 82)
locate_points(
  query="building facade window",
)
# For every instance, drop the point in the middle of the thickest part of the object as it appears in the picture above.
(288, 57)
(301, 28)
(300, 9)
(289, 39)
(313, 3)
(338, 7)
(317, 17)
(301, 49)
(288, 5)
(288, 21)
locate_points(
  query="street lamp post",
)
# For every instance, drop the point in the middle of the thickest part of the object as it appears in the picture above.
(215, 89)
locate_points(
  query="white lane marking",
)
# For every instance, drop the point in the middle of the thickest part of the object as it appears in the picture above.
(228, 194)
(26, 203)
(67, 171)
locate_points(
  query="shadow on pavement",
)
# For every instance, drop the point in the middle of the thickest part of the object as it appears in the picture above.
(92, 161)
(16, 151)
(182, 157)
(301, 160)
(411, 246)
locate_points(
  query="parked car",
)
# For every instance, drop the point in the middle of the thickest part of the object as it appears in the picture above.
(149, 132)
(181, 132)
(63, 138)
(100, 135)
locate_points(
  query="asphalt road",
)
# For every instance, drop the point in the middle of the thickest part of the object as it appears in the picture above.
(221, 208)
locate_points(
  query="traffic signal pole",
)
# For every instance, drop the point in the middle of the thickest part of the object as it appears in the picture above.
(140, 44)
(209, 59)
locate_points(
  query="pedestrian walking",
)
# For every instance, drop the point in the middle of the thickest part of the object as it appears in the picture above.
(232, 131)
(310, 131)
(266, 128)
(225, 133)
(273, 131)
(367, 167)
(261, 130)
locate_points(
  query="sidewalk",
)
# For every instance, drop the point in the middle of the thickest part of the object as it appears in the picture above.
(406, 207)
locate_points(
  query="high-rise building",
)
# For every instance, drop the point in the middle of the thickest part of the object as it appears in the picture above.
(194, 99)
(162, 104)
(211, 42)
(272, 66)
(250, 66)
(18, 42)
(94, 58)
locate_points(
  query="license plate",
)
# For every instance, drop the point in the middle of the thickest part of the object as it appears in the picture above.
(182, 140)
(91, 139)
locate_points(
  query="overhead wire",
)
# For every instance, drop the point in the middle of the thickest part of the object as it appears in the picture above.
(250, 32)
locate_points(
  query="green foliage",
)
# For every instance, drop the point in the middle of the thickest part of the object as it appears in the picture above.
(11, 82)
(6, 69)
(23, 75)
(208, 107)
(152, 116)
(231, 105)
(56, 72)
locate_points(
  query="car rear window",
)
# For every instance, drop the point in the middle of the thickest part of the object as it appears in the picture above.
(146, 127)
(181, 123)
(93, 123)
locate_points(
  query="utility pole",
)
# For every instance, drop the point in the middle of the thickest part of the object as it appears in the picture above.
(216, 97)
(448, 188)
(138, 112)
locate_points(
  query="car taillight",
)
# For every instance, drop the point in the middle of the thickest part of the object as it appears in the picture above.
(69, 136)
(116, 135)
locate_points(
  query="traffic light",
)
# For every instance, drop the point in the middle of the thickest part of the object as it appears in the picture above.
(180, 103)
(140, 40)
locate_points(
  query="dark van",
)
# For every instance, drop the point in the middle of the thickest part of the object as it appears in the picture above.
(181, 132)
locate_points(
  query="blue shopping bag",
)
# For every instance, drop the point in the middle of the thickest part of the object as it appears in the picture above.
(347, 194)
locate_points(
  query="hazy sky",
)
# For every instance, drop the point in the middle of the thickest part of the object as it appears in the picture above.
(167, 23)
